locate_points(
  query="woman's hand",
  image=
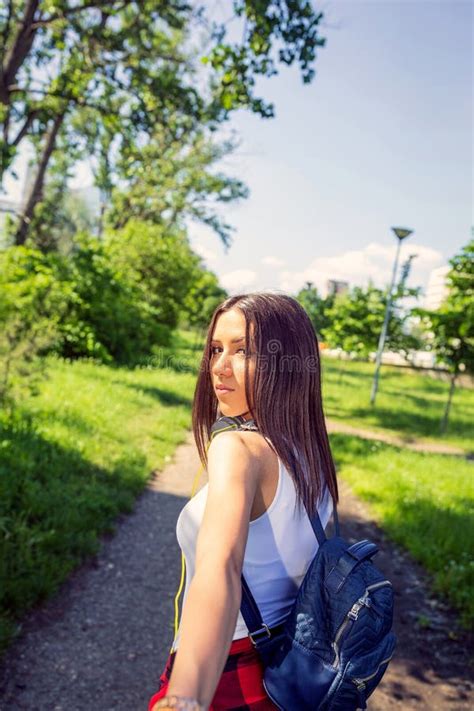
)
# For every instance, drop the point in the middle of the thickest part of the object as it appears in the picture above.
(178, 703)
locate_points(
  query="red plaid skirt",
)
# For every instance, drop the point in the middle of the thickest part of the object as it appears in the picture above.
(240, 687)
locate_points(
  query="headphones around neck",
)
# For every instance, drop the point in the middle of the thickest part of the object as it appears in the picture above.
(234, 422)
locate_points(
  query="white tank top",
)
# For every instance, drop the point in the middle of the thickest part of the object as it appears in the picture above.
(280, 546)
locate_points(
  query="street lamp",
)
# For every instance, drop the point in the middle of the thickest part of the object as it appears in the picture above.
(401, 233)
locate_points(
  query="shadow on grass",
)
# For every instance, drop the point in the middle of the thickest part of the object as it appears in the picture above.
(168, 398)
(411, 424)
(438, 536)
(53, 507)
(71, 420)
(110, 622)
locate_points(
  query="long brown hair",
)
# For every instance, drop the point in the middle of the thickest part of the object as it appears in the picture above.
(286, 398)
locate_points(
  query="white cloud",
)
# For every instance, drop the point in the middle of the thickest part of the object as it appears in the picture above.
(238, 279)
(207, 254)
(271, 261)
(374, 261)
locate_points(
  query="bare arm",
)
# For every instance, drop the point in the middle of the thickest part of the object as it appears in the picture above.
(213, 601)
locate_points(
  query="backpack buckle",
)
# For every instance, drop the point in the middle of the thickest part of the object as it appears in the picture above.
(265, 629)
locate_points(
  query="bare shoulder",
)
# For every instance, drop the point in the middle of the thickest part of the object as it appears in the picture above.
(257, 444)
(254, 442)
(234, 449)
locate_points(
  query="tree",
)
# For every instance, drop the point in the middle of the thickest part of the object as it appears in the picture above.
(32, 305)
(202, 299)
(168, 181)
(356, 319)
(451, 326)
(159, 263)
(316, 307)
(123, 67)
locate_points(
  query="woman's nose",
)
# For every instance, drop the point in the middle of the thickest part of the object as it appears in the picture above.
(222, 365)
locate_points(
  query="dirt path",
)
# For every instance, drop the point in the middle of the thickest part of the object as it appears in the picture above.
(415, 443)
(101, 643)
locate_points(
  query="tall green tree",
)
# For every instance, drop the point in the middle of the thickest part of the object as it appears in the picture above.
(159, 263)
(317, 307)
(451, 327)
(168, 182)
(202, 299)
(356, 319)
(123, 67)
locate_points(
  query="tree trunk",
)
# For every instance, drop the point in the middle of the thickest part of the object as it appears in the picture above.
(341, 368)
(444, 421)
(37, 188)
(19, 49)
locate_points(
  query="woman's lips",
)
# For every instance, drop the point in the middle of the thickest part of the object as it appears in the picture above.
(223, 391)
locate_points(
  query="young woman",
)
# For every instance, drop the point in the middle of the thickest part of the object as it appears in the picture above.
(261, 361)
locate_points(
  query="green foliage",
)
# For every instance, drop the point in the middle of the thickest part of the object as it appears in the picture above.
(356, 319)
(451, 327)
(61, 213)
(71, 460)
(31, 306)
(156, 262)
(126, 68)
(410, 403)
(202, 299)
(105, 317)
(127, 292)
(169, 180)
(316, 307)
(114, 300)
(279, 31)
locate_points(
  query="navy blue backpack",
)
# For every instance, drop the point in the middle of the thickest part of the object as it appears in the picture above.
(333, 648)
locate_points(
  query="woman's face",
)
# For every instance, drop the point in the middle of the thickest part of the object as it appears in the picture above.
(227, 366)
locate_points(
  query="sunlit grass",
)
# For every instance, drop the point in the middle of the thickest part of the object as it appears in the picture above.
(424, 502)
(407, 404)
(76, 456)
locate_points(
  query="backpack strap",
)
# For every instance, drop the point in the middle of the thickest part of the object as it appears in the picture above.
(318, 528)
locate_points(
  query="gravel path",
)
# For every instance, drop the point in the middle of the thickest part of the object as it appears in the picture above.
(102, 641)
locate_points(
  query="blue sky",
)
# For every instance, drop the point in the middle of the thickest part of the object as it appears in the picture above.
(382, 137)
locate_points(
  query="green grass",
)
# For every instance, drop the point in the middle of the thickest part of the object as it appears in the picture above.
(76, 456)
(424, 502)
(408, 404)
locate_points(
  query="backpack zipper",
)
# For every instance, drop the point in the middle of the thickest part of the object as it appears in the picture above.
(361, 682)
(353, 614)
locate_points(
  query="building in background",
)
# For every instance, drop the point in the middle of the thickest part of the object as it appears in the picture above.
(437, 288)
(334, 286)
(7, 207)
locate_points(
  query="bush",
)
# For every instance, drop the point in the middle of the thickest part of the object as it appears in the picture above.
(106, 317)
(159, 262)
(31, 305)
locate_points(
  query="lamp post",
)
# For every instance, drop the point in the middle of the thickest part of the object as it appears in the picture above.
(401, 233)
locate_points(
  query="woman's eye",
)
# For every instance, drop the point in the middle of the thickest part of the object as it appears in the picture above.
(215, 349)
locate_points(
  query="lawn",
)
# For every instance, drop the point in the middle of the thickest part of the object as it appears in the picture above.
(75, 457)
(78, 454)
(407, 404)
(424, 502)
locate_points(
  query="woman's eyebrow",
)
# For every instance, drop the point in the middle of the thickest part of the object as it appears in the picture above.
(234, 340)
